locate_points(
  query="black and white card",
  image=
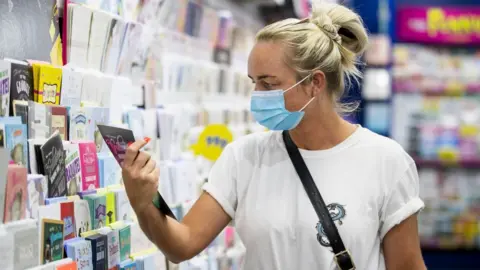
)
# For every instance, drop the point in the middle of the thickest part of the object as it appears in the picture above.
(53, 157)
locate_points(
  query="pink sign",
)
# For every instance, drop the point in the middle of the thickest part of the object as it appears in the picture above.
(439, 25)
(302, 8)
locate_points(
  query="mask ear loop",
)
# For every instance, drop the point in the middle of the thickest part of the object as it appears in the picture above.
(295, 85)
(308, 103)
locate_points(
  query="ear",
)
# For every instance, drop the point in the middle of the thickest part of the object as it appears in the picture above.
(319, 83)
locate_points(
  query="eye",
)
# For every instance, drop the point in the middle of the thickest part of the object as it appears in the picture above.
(266, 85)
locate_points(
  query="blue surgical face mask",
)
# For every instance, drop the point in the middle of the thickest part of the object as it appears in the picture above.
(268, 109)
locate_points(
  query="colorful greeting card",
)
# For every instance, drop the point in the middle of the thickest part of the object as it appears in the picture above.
(117, 140)
(89, 166)
(16, 194)
(52, 240)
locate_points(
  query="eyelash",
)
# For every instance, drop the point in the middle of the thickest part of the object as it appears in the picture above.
(267, 85)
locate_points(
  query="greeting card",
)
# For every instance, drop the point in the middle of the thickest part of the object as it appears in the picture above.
(53, 157)
(15, 194)
(59, 121)
(26, 249)
(68, 216)
(81, 252)
(89, 165)
(78, 124)
(37, 189)
(83, 221)
(5, 69)
(117, 140)
(21, 87)
(123, 208)
(52, 240)
(99, 250)
(16, 142)
(73, 170)
(50, 82)
(97, 116)
(97, 205)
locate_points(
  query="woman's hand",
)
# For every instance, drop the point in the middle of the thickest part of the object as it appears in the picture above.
(140, 176)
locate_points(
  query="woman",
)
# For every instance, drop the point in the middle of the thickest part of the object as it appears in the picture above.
(368, 182)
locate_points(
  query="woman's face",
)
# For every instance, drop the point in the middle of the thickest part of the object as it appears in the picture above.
(268, 70)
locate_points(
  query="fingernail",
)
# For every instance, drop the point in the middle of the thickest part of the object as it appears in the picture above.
(147, 139)
(130, 143)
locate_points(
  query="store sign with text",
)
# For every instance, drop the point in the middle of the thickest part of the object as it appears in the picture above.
(303, 8)
(439, 25)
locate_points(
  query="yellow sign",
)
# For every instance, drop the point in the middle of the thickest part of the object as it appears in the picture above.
(212, 141)
(448, 155)
(440, 21)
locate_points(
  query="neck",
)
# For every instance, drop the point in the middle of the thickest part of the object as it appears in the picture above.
(321, 133)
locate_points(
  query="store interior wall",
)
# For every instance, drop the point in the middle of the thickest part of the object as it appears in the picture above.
(435, 259)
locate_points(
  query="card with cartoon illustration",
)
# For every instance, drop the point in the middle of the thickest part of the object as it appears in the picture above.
(15, 194)
(16, 142)
(52, 240)
(83, 222)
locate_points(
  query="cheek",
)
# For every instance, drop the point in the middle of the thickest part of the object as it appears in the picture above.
(294, 101)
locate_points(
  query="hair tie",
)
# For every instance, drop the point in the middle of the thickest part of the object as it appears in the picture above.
(327, 27)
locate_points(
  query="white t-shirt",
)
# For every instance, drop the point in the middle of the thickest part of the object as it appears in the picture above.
(368, 181)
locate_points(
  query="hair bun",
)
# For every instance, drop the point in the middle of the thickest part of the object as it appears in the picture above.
(347, 24)
(326, 25)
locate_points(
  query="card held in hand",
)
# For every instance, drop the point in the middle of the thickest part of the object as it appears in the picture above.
(117, 140)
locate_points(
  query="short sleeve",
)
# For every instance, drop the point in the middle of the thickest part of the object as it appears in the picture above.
(403, 200)
(221, 183)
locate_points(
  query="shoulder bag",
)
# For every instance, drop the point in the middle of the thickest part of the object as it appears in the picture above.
(342, 256)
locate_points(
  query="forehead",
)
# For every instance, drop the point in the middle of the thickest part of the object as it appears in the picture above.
(267, 57)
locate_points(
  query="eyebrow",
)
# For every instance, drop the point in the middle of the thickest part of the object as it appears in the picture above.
(261, 77)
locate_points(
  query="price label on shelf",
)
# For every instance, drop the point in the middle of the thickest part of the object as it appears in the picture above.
(212, 141)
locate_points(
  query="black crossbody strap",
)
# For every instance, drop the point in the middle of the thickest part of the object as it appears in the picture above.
(342, 257)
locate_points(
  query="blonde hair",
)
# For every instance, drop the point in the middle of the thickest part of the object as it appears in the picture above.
(330, 40)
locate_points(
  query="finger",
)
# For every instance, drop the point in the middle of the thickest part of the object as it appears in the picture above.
(132, 152)
(141, 160)
(150, 166)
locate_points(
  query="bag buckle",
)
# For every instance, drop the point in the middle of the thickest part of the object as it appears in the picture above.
(344, 260)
